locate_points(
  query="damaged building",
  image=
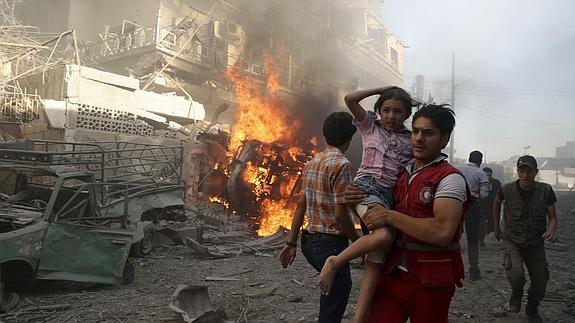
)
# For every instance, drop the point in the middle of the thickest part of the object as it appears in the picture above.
(171, 71)
(196, 98)
(321, 47)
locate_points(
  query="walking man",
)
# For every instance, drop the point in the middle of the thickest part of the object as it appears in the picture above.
(420, 273)
(479, 187)
(529, 220)
(329, 224)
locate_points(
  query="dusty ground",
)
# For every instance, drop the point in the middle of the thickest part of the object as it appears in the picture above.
(294, 297)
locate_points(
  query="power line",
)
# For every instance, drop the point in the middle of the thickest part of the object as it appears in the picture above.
(505, 92)
(481, 88)
(512, 138)
(515, 118)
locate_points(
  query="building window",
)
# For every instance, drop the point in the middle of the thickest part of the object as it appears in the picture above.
(200, 52)
(393, 53)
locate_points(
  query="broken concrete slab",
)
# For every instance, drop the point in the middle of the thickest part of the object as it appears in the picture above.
(212, 219)
(260, 291)
(193, 304)
(178, 234)
(203, 250)
(227, 236)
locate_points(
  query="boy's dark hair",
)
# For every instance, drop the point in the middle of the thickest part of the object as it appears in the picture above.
(488, 170)
(440, 114)
(475, 157)
(338, 129)
(399, 94)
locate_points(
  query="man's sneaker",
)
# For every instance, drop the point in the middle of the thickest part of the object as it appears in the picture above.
(532, 313)
(474, 274)
(515, 302)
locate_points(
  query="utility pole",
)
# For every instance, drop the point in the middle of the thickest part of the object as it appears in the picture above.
(452, 139)
(419, 87)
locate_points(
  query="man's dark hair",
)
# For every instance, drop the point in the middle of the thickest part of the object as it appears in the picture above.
(488, 170)
(440, 115)
(338, 129)
(399, 94)
(476, 157)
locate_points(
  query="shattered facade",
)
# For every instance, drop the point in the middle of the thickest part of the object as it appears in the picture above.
(200, 53)
(322, 48)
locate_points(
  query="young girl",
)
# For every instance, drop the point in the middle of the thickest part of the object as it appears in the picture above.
(386, 151)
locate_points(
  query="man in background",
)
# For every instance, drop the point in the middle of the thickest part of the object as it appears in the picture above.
(487, 205)
(529, 220)
(479, 188)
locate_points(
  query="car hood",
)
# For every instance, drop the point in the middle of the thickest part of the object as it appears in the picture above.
(13, 217)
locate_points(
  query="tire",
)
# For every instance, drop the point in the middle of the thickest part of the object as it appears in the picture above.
(144, 247)
(129, 272)
(10, 301)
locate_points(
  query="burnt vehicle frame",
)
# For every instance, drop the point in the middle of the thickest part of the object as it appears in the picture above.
(75, 211)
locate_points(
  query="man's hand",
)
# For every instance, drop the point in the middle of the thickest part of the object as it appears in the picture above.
(375, 216)
(353, 195)
(287, 255)
(550, 235)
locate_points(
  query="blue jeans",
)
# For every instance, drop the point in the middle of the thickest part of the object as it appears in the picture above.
(316, 248)
(376, 193)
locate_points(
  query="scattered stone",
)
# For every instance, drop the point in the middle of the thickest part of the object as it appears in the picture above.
(456, 313)
(294, 298)
(258, 292)
(499, 312)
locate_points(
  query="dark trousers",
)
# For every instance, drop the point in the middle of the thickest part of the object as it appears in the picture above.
(472, 227)
(316, 248)
(536, 263)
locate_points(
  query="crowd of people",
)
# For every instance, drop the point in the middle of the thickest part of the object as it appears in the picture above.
(413, 207)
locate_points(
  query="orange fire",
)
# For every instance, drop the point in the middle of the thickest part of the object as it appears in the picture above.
(218, 200)
(274, 215)
(262, 115)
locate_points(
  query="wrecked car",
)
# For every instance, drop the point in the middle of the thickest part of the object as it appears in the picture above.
(71, 211)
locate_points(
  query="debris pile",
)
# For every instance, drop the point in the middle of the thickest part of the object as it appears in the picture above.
(209, 231)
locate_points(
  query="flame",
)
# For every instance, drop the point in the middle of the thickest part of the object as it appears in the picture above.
(273, 82)
(274, 215)
(262, 115)
(218, 200)
(287, 186)
(256, 176)
(314, 141)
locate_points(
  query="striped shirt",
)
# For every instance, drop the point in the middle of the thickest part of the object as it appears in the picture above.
(324, 180)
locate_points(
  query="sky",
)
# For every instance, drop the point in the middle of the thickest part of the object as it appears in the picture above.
(514, 69)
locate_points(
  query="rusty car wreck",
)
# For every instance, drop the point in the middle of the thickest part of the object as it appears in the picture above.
(75, 211)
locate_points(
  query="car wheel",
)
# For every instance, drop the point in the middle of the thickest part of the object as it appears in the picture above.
(9, 301)
(144, 247)
(129, 272)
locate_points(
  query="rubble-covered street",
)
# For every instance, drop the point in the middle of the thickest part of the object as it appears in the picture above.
(152, 154)
(251, 286)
